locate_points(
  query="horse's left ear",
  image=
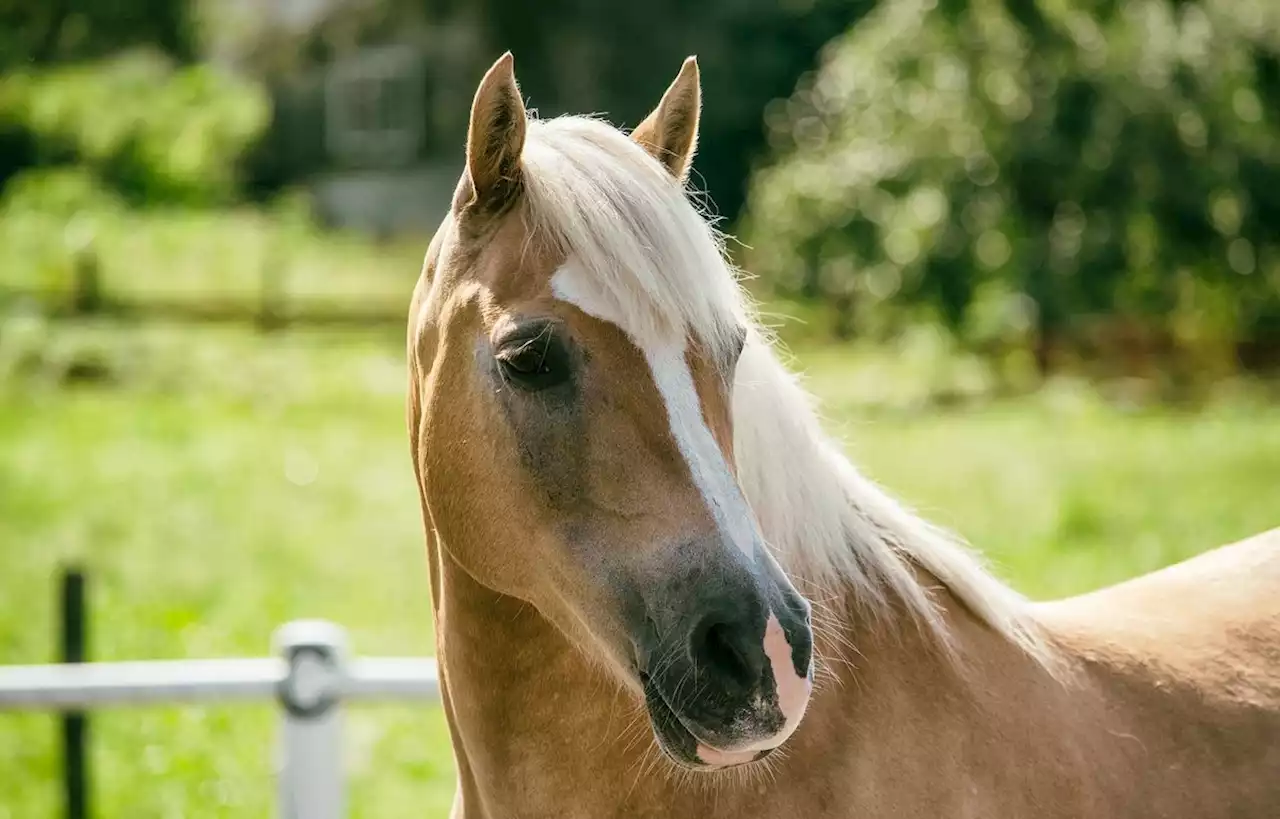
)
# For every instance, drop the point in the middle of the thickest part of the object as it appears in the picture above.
(670, 132)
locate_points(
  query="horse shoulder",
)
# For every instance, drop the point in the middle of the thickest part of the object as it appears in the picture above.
(1183, 665)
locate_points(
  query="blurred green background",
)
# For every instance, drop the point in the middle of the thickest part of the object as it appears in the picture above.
(1025, 252)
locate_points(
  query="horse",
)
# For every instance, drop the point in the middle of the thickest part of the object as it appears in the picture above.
(660, 589)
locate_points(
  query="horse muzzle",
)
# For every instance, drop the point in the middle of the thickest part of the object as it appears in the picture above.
(736, 690)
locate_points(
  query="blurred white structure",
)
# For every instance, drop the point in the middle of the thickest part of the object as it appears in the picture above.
(311, 678)
(370, 102)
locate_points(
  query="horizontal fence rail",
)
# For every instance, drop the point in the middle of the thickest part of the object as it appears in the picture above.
(311, 678)
(97, 685)
(100, 685)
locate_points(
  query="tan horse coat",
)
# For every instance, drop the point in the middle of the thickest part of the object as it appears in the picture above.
(1161, 700)
(1169, 707)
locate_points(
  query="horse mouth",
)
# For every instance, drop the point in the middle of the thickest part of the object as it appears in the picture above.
(680, 744)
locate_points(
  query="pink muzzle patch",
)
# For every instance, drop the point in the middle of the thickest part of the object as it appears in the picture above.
(724, 759)
(793, 692)
(793, 689)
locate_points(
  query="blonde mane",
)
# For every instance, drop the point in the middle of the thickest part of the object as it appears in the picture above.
(661, 265)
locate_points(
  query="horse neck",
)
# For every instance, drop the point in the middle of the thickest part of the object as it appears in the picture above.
(918, 726)
(538, 730)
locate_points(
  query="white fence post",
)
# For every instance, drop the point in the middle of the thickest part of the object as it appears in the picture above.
(310, 771)
(311, 677)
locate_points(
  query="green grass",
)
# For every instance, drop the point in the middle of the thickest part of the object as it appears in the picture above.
(218, 483)
(232, 487)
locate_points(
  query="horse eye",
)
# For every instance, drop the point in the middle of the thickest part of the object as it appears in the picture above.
(534, 363)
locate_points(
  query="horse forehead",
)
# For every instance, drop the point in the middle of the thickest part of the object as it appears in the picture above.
(571, 284)
(703, 445)
(510, 262)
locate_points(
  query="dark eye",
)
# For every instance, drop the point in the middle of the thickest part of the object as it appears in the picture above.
(534, 361)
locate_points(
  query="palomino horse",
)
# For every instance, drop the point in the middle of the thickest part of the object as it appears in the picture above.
(621, 484)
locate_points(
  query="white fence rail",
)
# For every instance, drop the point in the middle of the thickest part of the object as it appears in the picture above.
(311, 678)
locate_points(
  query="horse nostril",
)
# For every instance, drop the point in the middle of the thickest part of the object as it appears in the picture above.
(726, 651)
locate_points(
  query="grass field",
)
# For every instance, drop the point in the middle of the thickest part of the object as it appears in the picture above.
(217, 483)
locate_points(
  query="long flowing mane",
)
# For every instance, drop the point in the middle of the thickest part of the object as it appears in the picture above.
(661, 266)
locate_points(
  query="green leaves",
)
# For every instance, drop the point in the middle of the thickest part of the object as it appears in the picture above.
(1102, 160)
(153, 132)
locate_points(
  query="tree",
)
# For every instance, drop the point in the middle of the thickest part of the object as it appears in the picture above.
(1027, 165)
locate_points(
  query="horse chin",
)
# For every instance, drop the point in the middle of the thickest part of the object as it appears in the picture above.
(680, 745)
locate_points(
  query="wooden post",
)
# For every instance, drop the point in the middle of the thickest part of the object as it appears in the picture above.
(86, 298)
(271, 293)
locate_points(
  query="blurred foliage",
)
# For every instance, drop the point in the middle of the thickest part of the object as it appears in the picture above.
(572, 55)
(50, 219)
(58, 31)
(152, 131)
(1019, 169)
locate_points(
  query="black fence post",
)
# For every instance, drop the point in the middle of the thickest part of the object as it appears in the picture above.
(271, 292)
(75, 724)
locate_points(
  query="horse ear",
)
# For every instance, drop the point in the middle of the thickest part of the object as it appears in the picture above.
(495, 138)
(670, 132)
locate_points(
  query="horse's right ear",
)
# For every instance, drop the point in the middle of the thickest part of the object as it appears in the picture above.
(495, 140)
(670, 132)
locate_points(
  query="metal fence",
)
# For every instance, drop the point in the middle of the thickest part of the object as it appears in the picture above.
(311, 678)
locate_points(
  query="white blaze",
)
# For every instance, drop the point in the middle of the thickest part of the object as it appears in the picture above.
(671, 374)
(714, 480)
